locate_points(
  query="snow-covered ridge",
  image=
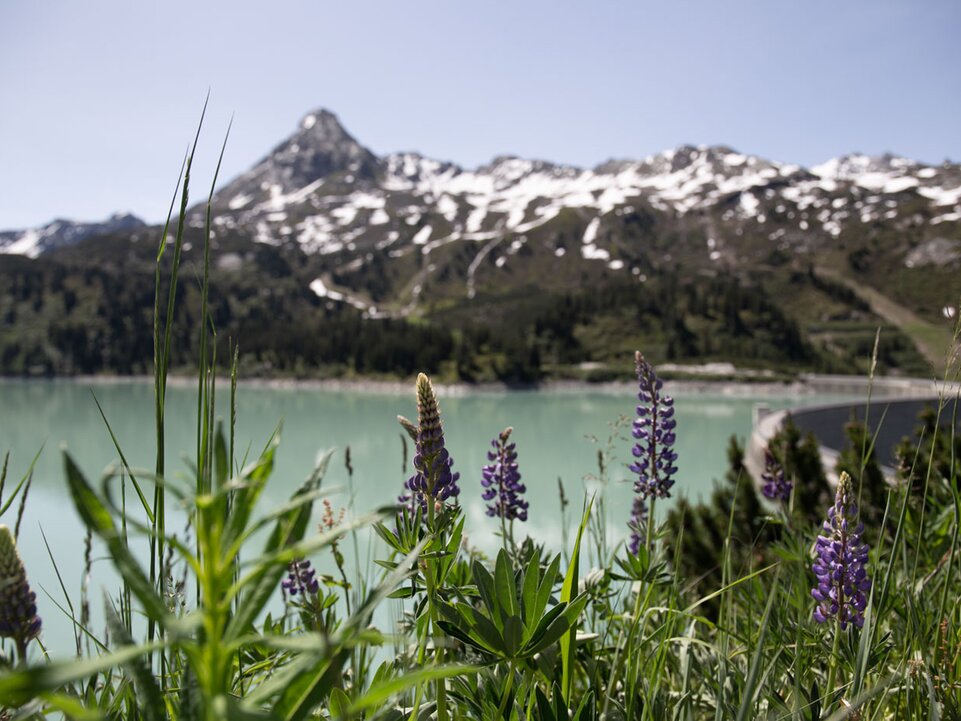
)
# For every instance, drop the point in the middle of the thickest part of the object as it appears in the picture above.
(58, 233)
(512, 194)
(325, 191)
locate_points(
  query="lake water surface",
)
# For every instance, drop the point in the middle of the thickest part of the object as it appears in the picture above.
(553, 432)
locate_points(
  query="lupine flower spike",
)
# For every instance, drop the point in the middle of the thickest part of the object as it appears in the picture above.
(654, 450)
(502, 481)
(654, 431)
(301, 579)
(776, 487)
(18, 608)
(433, 481)
(842, 581)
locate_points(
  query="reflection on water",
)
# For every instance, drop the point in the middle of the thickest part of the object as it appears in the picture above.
(553, 432)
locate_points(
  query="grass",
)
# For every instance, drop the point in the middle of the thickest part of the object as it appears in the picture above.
(931, 340)
(585, 632)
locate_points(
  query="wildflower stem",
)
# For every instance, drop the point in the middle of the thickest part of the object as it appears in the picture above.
(833, 661)
(649, 541)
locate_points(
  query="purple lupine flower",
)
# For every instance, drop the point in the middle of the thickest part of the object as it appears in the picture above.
(301, 578)
(842, 581)
(654, 431)
(776, 486)
(18, 604)
(502, 482)
(433, 479)
(637, 524)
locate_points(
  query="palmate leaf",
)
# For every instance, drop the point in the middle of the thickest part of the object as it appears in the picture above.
(560, 624)
(454, 631)
(469, 625)
(485, 629)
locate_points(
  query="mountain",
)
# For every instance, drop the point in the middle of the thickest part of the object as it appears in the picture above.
(406, 237)
(326, 194)
(60, 232)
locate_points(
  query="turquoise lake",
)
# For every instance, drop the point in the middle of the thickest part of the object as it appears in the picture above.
(553, 432)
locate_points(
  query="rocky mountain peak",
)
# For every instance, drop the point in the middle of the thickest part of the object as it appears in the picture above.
(324, 128)
(319, 150)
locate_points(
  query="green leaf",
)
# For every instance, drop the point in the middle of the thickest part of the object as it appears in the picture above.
(453, 545)
(380, 692)
(562, 618)
(221, 463)
(339, 704)
(485, 586)
(403, 592)
(148, 511)
(542, 625)
(529, 593)
(567, 594)
(585, 712)
(544, 710)
(453, 630)
(311, 687)
(289, 529)
(252, 482)
(547, 586)
(149, 698)
(485, 630)
(97, 518)
(504, 588)
(560, 706)
(22, 685)
(751, 687)
(513, 635)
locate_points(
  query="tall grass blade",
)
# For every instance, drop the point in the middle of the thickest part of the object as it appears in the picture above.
(568, 591)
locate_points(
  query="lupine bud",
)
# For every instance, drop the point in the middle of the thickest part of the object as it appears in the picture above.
(776, 487)
(18, 608)
(654, 431)
(501, 481)
(842, 582)
(301, 578)
(433, 481)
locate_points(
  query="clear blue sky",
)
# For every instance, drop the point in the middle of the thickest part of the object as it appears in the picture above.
(98, 99)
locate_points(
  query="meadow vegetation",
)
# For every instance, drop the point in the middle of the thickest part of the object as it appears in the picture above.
(820, 594)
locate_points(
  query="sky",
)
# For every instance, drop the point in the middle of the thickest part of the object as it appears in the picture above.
(99, 99)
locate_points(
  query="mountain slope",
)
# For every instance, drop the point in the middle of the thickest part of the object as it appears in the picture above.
(60, 233)
(404, 236)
